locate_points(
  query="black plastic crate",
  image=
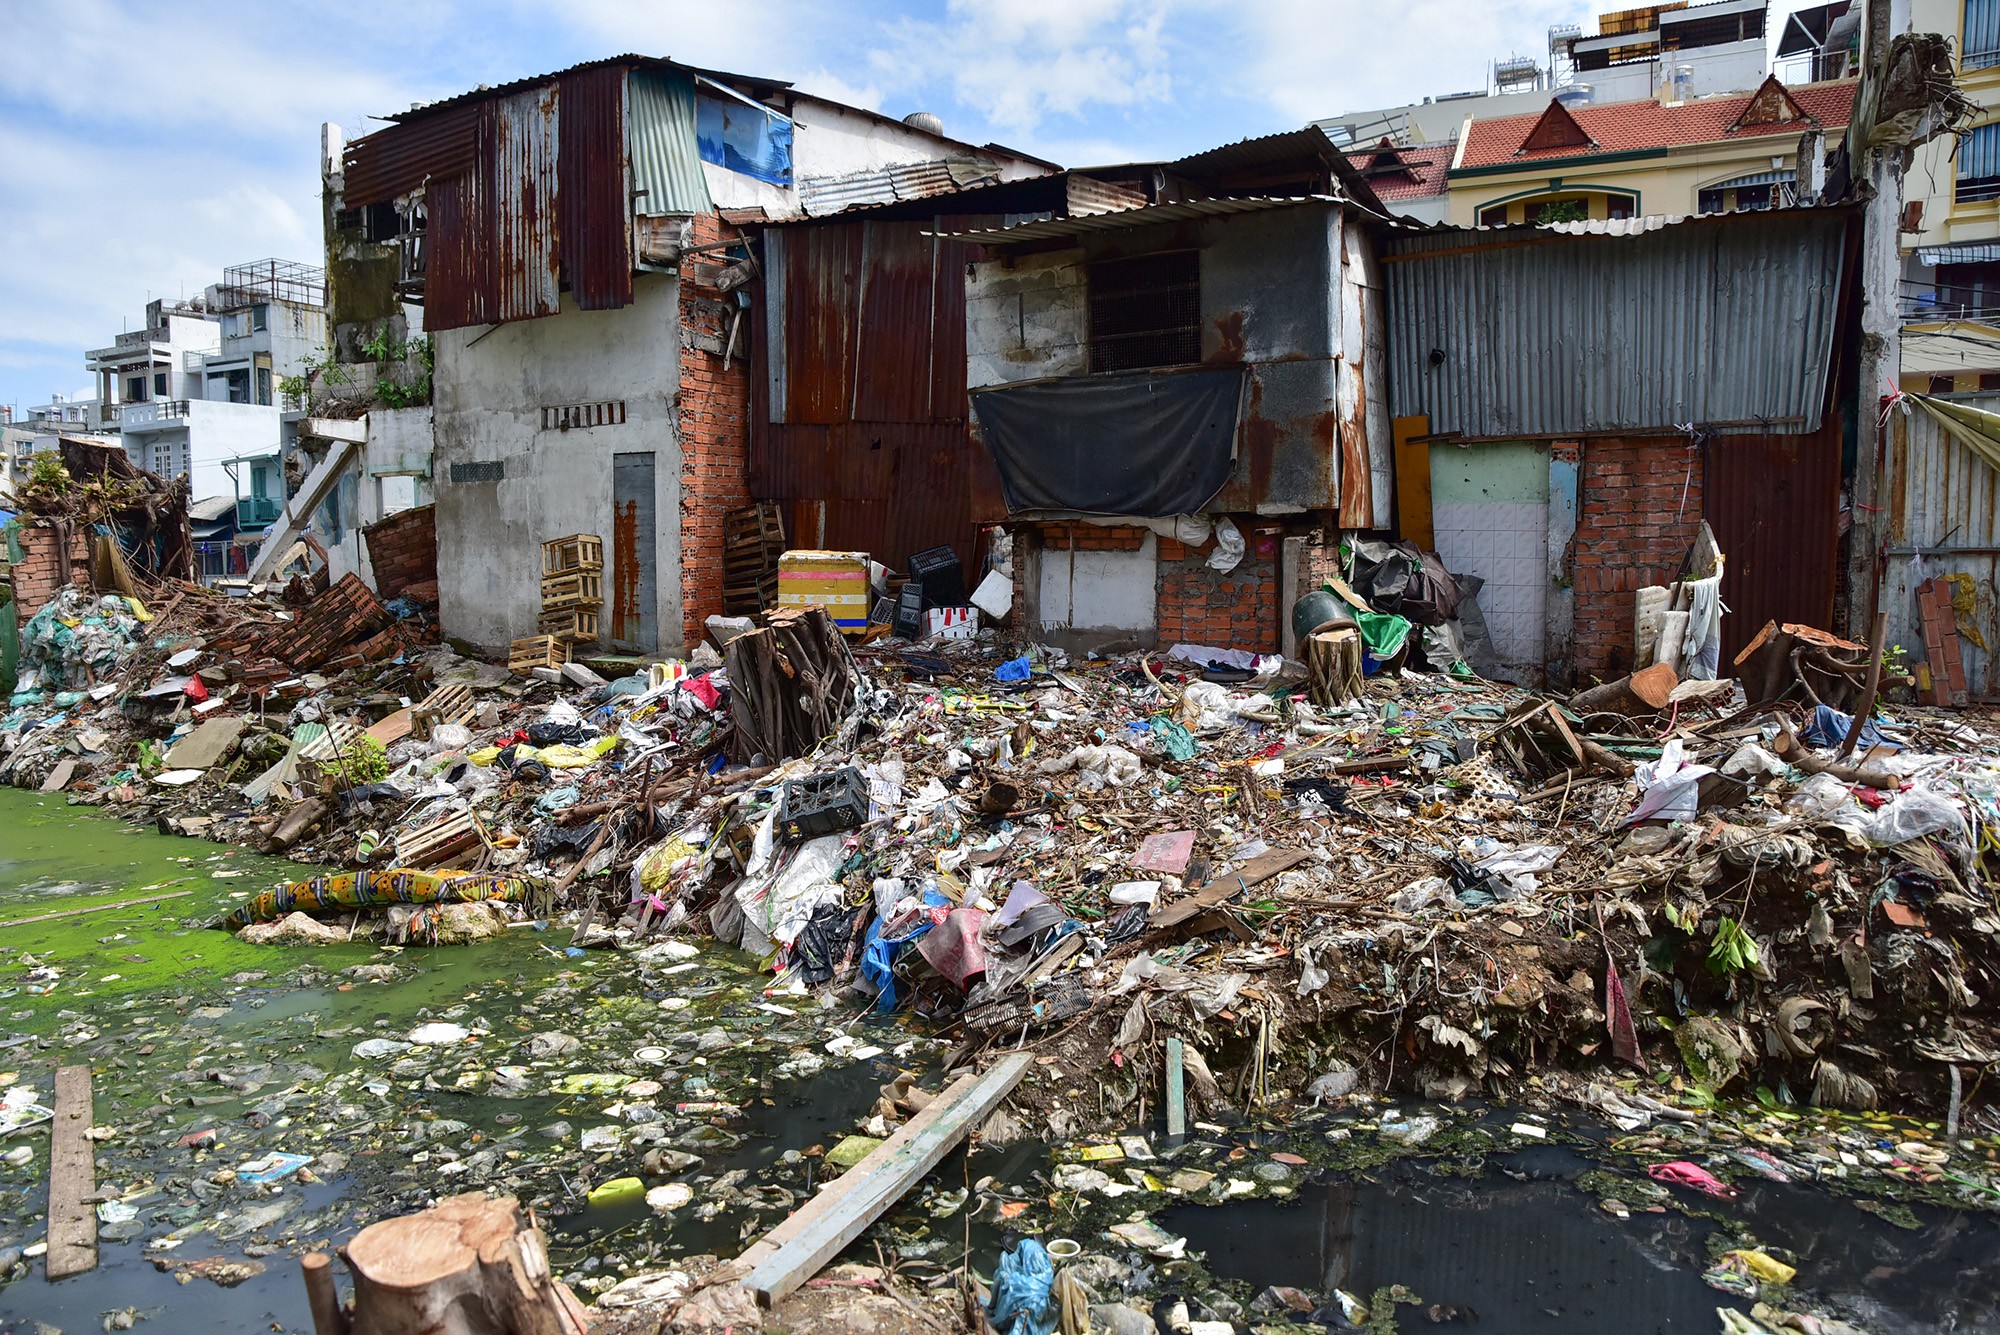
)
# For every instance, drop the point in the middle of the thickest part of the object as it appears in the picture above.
(822, 804)
(943, 578)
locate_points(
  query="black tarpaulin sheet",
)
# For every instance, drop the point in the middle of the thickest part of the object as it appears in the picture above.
(1148, 445)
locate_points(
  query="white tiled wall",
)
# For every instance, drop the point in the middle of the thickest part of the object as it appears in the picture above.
(1506, 545)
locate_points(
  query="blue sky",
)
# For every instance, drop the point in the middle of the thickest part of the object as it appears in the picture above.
(143, 146)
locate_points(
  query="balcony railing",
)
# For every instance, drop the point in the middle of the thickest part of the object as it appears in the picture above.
(158, 410)
(255, 512)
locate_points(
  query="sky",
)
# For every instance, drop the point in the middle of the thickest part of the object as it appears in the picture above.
(144, 146)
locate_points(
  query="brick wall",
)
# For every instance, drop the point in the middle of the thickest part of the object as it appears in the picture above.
(1238, 610)
(37, 578)
(714, 431)
(1193, 604)
(1633, 528)
(403, 550)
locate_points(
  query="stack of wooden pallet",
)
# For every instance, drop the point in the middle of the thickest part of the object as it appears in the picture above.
(753, 539)
(572, 587)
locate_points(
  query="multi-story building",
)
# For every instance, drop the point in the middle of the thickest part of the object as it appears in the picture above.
(197, 391)
(1668, 55)
(1951, 220)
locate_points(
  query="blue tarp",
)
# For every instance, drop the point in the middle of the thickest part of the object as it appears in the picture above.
(743, 138)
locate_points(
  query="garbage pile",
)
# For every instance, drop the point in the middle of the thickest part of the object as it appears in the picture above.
(1419, 881)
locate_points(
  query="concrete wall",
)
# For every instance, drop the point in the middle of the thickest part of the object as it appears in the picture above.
(1026, 321)
(490, 387)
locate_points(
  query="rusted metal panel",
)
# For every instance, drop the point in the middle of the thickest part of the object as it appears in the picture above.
(892, 352)
(1945, 511)
(1773, 502)
(521, 138)
(594, 194)
(455, 290)
(1523, 333)
(398, 160)
(822, 276)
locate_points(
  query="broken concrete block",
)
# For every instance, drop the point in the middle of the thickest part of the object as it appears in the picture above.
(576, 674)
(548, 674)
(206, 744)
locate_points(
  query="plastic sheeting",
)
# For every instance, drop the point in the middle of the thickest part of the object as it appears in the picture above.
(742, 137)
(1154, 446)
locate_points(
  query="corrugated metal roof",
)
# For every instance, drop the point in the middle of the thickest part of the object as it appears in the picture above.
(1280, 150)
(389, 163)
(1127, 218)
(1527, 333)
(659, 139)
(823, 196)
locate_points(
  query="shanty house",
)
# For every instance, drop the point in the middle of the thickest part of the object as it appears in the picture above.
(1178, 398)
(572, 240)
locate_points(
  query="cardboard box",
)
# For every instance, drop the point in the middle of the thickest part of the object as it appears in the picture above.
(837, 581)
(952, 623)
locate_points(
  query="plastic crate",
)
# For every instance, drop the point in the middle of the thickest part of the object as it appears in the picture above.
(909, 618)
(943, 577)
(822, 804)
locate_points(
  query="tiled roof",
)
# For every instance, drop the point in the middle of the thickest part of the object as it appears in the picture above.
(1427, 164)
(1621, 127)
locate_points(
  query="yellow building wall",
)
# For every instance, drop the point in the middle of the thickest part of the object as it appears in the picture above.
(1670, 185)
(1932, 169)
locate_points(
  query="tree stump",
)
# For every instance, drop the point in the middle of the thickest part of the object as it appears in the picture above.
(1333, 666)
(469, 1265)
(791, 683)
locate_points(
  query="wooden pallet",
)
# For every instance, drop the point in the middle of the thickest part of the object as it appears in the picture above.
(579, 551)
(536, 651)
(579, 588)
(1941, 647)
(753, 540)
(440, 841)
(447, 704)
(570, 624)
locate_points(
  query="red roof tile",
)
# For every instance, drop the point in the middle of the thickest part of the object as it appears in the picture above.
(1427, 164)
(1621, 127)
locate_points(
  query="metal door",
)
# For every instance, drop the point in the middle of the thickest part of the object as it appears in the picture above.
(635, 555)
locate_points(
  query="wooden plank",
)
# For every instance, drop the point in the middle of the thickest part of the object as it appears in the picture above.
(813, 1235)
(96, 908)
(1260, 868)
(393, 728)
(1176, 1089)
(72, 1178)
(60, 776)
(1413, 479)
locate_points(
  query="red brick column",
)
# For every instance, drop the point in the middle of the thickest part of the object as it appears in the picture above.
(714, 429)
(37, 578)
(1639, 505)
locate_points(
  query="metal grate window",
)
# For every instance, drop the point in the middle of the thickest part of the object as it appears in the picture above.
(577, 416)
(481, 471)
(1978, 176)
(1145, 311)
(1980, 48)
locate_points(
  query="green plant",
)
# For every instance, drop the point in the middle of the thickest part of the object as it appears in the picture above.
(366, 761)
(46, 470)
(1895, 661)
(1733, 949)
(1565, 211)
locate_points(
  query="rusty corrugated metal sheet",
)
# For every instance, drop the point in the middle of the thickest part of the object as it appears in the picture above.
(888, 488)
(522, 133)
(593, 191)
(822, 196)
(1944, 504)
(1774, 505)
(393, 162)
(822, 277)
(455, 290)
(892, 354)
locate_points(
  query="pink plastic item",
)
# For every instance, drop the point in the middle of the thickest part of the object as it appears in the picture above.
(1684, 1174)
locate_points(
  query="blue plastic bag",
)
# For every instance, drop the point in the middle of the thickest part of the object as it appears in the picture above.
(1014, 669)
(1828, 727)
(1021, 1286)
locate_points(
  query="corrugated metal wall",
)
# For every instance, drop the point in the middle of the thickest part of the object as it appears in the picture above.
(860, 408)
(1944, 519)
(1727, 323)
(592, 188)
(521, 165)
(1773, 503)
(659, 140)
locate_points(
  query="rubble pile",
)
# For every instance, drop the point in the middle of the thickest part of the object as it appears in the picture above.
(1440, 885)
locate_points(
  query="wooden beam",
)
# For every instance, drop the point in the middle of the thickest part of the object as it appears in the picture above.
(1260, 868)
(1176, 1089)
(72, 1178)
(97, 908)
(813, 1235)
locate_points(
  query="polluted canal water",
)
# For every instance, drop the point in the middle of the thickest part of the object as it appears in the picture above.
(655, 1107)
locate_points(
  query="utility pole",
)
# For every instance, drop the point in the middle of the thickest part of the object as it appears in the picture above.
(1881, 169)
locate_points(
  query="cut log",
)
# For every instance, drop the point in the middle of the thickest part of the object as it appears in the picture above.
(1333, 666)
(469, 1265)
(791, 683)
(1788, 748)
(1646, 691)
(296, 822)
